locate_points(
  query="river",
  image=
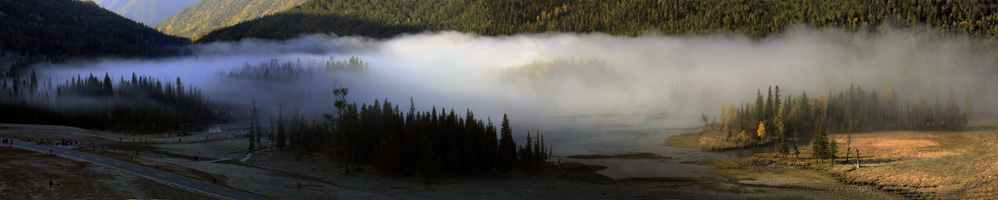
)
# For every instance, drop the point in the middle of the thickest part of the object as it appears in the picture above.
(614, 135)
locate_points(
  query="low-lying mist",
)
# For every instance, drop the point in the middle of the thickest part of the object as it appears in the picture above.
(537, 78)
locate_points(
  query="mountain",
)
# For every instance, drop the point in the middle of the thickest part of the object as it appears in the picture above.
(70, 28)
(207, 15)
(148, 12)
(386, 18)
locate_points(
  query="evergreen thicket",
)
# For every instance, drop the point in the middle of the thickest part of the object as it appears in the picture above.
(139, 105)
(852, 110)
(435, 142)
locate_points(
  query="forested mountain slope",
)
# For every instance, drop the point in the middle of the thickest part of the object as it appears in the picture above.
(148, 12)
(385, 18)
(70, 28)
(207, 15)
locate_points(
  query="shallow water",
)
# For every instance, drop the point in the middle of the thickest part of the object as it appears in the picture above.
(612, 135)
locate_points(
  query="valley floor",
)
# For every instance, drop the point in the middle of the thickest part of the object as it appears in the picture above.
(287, 175)
(894, 165)
(910, 164)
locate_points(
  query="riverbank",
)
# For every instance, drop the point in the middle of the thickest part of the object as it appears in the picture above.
(908, 164)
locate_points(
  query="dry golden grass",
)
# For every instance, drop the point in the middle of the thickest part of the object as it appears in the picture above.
(759, 175)
(914, 164)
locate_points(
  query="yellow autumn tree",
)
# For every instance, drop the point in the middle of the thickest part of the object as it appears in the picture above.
(762, 129)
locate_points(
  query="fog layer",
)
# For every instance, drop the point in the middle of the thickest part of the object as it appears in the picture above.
(672, 78)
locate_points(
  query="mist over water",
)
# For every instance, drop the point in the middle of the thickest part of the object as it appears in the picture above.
(664, 81)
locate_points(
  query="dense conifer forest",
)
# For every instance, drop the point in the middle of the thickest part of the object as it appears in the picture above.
(400, 143)
(141, 104)
(387, 18)
(59, 29)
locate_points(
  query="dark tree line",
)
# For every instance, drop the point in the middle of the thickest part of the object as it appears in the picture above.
(852, 110)
(140, 105)
(434, 142)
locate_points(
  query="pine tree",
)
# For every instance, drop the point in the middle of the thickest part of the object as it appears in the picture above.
(490, 144)
(507, 147)
(108, 90)
(281, 133)
(781, 121)
(759, 109)
(34, 81)
(769, 105)
(254, 123)
(527, 154)
(819, 143)
(776, 101)
(832, 148)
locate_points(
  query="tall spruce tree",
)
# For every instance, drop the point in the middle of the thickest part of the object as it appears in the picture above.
(507, 147)
(768, 113)
(281, 132)
(819, 143)
(759, 109)
(254, 126)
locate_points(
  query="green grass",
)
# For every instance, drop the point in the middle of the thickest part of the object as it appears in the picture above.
(686, 140)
